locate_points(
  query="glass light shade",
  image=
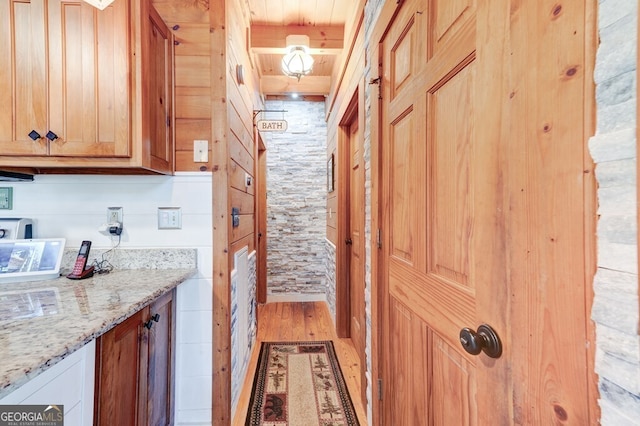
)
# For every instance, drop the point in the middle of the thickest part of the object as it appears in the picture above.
(297, 62)
(100, 4)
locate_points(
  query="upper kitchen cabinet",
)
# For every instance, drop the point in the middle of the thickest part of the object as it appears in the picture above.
(85, 90)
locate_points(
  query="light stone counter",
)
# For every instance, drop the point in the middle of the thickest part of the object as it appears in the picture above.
(42, 322)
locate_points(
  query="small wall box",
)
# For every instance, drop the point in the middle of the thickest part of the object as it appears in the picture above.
(6, 198)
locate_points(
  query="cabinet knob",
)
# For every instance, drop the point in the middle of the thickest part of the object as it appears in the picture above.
(148, 324)
(35, 135)
(51, 136)
(156, 317)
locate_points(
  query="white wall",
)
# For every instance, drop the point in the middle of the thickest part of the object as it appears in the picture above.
(74, 206)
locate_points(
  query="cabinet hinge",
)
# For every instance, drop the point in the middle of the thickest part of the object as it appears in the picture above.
(379, 238)
(168, 121)
(379, 389)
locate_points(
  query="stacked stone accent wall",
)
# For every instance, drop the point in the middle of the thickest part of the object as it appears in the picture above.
(297, 199)
(613, 148)
(330, 268)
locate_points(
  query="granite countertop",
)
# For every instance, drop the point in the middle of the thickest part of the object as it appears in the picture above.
(42, 322)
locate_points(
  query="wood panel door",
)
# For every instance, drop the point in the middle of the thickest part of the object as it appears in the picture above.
(160, 383)
(121, 379)
(356, 244)
(484, 176)
(88, 79)
(23, 77)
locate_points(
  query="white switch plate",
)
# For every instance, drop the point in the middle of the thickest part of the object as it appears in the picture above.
(200, 151)
(169, 218)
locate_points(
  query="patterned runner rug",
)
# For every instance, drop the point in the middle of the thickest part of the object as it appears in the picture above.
(299, 383)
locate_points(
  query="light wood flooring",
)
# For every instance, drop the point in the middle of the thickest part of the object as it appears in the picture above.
(301, 321)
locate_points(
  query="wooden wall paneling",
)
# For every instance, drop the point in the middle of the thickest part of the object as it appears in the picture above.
(193, 71)
(242, 200)
(192, 40)
(242, 130)
(238, 245)
(221, 392)
(237, 179)
(239, 154)
(192, 102)
(245, 229)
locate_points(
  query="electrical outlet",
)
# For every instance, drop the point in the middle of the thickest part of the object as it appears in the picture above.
(114, 214)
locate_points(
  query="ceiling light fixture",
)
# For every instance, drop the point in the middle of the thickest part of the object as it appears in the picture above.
(297, 62)
(100, 4)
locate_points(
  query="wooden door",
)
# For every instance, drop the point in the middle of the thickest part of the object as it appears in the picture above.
(23, 77)
(357, 321)
(483, 212)
(157, 84)
(261, 222)
(88, 79)
(120, 375)
(160, 384)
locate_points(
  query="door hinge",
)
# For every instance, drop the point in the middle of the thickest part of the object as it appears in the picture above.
(379, 389)
(379, 238)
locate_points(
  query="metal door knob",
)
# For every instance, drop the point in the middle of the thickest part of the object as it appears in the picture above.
(484, 340)
(348, 241)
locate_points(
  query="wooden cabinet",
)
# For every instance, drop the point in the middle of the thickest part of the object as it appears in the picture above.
(85, 89)
(135, 368)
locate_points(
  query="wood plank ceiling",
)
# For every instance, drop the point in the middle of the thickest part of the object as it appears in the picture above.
(272, 20)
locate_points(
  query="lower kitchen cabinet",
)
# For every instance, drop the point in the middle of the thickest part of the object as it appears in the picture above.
(135, 368)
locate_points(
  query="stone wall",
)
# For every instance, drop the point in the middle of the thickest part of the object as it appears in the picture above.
(330, 271)
(296, 199)
(613, 148)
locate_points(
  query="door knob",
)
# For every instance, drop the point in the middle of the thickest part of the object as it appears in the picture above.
(484, 340)
(348, 241)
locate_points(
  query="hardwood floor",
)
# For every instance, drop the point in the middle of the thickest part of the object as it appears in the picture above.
(302, 321)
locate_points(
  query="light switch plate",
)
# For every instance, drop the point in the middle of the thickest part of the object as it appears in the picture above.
(200, 151)
(6, 198)
(169, 218)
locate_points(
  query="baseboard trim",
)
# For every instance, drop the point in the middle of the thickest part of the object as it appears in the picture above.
(310, 297)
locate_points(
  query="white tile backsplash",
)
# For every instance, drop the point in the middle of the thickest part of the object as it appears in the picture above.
(195, 295)
(194, 327)
(74, 207)
(196, 359)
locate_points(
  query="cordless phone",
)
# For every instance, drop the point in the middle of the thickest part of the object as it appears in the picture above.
(79, 272)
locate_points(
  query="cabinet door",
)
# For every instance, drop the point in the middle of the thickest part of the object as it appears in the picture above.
(88, 79)
(157, 90)
(161, 353)
(120, 374)
(23, 77)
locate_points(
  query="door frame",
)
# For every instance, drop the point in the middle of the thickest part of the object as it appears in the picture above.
(388, 12)
(354, 111)
(261, 218)
(386, 17)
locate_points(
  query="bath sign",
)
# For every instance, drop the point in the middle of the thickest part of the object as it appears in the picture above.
(272, 125)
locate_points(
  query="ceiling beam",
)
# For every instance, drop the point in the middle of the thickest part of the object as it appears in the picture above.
(309, 85)
(325, 40)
